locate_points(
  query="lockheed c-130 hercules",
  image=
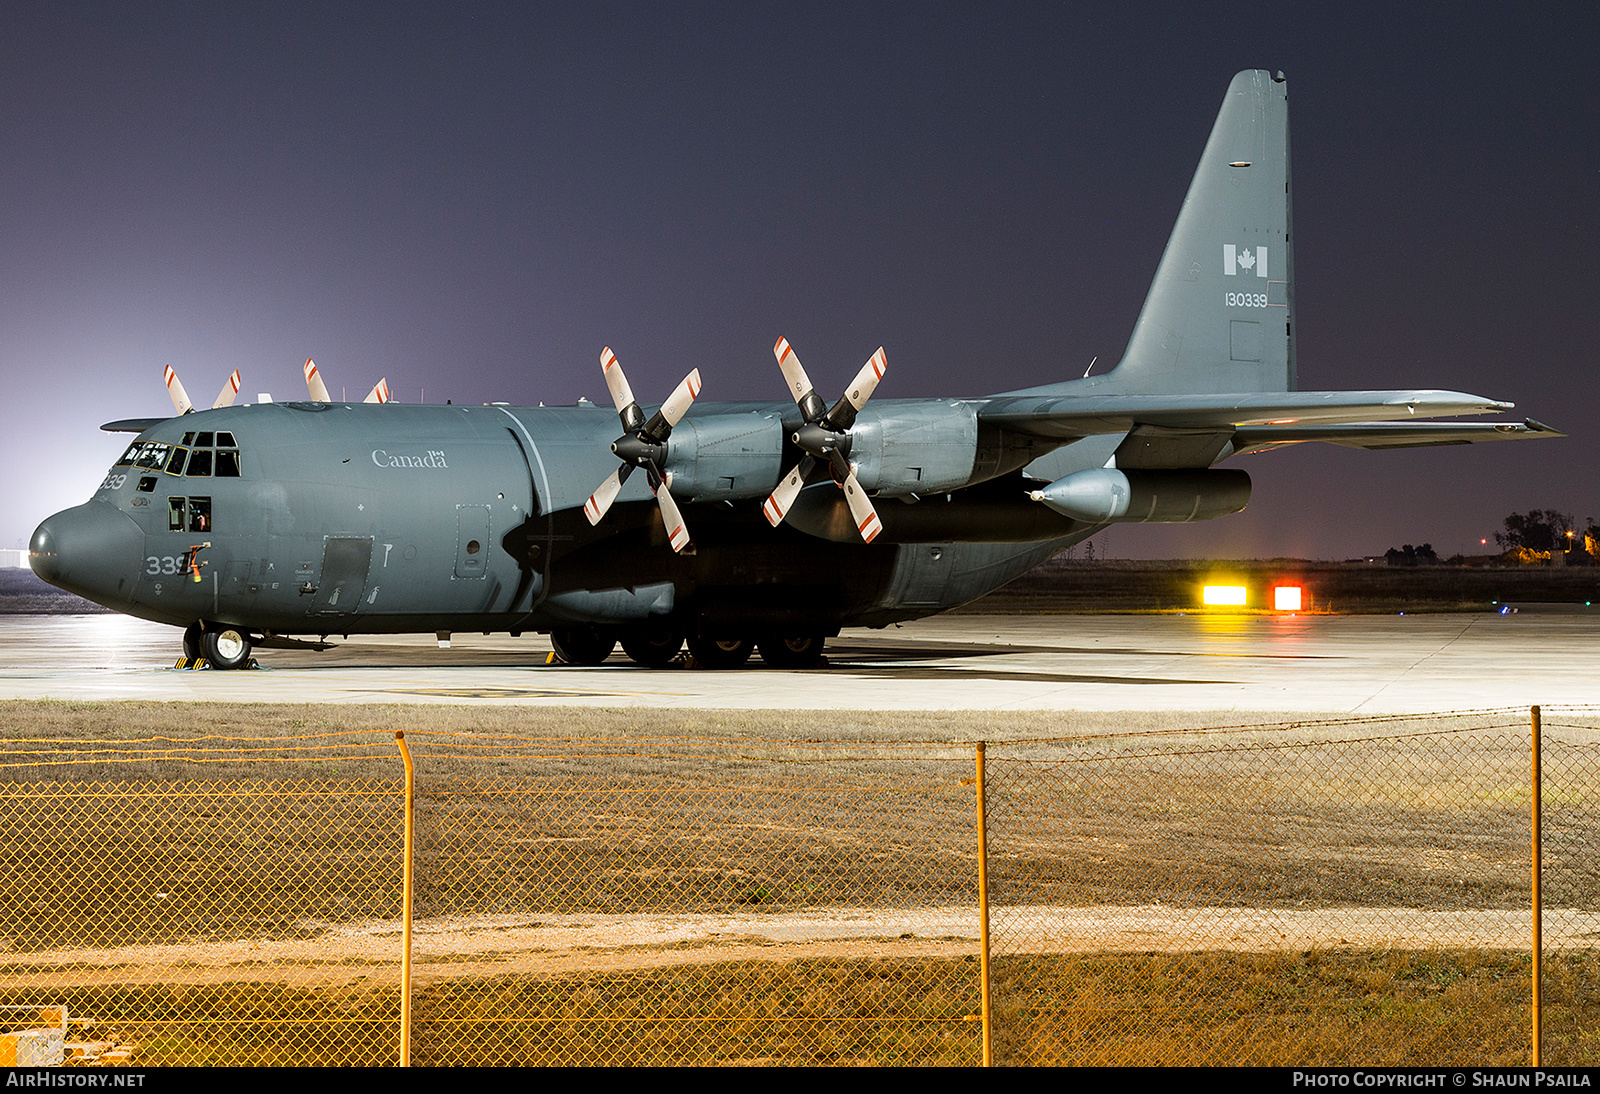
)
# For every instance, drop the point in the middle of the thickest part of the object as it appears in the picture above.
(747, 526)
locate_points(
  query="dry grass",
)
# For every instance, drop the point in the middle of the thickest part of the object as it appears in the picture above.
(1324, 1008)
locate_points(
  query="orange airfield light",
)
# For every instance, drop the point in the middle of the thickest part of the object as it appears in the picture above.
(1287, 598)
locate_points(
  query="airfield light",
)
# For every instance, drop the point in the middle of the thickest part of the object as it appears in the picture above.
(1286, 598)
(1219, 596)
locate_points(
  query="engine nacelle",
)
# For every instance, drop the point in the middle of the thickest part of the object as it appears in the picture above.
(914, 448)
(725, 456)
(1104, 495)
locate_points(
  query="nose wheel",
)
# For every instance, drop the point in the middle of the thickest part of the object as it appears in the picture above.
(224, 647)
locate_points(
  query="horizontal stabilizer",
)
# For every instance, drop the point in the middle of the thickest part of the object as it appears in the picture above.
(131, 425)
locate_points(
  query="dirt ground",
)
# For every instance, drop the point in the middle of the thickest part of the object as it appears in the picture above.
(469, 947)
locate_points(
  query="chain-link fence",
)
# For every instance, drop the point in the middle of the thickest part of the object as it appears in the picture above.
(1309, 893)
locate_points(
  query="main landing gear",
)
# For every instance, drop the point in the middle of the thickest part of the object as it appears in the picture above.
(655, 648)
(222, 646)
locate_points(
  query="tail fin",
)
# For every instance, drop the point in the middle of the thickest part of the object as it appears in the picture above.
(1219, 315)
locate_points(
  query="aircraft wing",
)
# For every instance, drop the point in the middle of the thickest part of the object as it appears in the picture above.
(1070, 417)
(1388, 434)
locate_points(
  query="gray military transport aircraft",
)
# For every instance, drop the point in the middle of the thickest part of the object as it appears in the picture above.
(251, 525)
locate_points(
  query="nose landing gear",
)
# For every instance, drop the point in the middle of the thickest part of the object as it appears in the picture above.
(217, 644)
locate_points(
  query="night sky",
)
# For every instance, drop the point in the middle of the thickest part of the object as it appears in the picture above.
(473, 199)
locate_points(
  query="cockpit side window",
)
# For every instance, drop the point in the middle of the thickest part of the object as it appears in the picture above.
(175, 461)
(199, 514)
(177, 508)
(200, 462)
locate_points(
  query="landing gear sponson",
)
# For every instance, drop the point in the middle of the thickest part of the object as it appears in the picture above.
(657, 647)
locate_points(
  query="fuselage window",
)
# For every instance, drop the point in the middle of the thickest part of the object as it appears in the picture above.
(147, 484)
(200, 461)
(199, 514)
(175, 461)
(176, 509)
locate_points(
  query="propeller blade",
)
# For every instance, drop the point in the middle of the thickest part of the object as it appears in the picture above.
(314, 385)
(229, 390)
(677, 533)
(776, 507)
(866, 517)
(621, 393)
(799, 383)
(677, 404)
(379, 392)
(600, 501)
(180, 397)
(866, 381)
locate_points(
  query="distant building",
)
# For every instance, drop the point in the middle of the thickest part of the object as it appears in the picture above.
(11, 559)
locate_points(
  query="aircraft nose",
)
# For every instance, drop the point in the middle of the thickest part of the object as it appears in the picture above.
(94, 550)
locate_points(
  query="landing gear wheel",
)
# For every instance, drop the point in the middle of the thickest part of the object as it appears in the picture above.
(651, 648)
(801, 651)
(193, 635)
(721, 653)
(225, 647)
(582, 645)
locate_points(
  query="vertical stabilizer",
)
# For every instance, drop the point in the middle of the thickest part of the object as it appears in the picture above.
(1220, 314)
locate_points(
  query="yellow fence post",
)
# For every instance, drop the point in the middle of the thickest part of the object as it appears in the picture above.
(405, 900)
(1538, 905)
(983, 913)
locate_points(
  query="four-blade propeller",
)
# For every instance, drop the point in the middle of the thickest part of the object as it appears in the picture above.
(180, 397)
(825, 439)
(319, 390)
(643, 444)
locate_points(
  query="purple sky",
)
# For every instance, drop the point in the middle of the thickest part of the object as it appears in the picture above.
(474, 199)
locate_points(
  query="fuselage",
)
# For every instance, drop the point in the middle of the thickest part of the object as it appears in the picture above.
(317, 518)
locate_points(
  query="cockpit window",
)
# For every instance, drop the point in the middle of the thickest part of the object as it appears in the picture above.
(199, 514)
(150, 454)
(227, 463)
(175, 461)
(177, 508)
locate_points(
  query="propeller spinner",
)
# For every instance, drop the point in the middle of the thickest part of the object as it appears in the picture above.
(643, 444)
(825, 439)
